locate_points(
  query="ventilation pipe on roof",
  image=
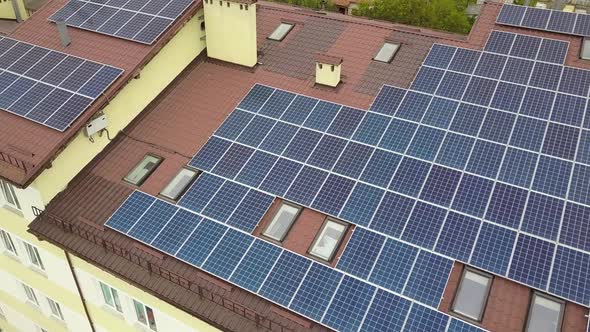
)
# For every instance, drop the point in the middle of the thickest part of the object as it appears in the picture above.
(64, 36)
(327, 69)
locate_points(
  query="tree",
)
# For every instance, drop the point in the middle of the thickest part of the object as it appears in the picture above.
(435, 14)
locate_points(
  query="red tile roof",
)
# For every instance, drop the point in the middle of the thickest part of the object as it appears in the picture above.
(26, 147)
(179, 122)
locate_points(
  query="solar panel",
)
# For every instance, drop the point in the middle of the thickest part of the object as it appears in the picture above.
(536, 18)
(138, 21)
(228, 253)
(570, 271)
(425, 320)
(511, 15)
(285, 277)
(277, 103)
(531, 261)
(256, 265)
(349, 305)
(49, 87)
(394, 265)
(316, 291)
(387, 313)
(361, 253)
(458, 236)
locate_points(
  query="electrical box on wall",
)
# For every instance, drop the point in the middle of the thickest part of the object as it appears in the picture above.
(96, 125)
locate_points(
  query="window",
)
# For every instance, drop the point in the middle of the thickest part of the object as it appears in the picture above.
(55, 309)
(2, 314)
(34, 257)
(8, 243)
(281, 31)
(140, 172)
(282, 222)
(472, 295)
(387, 52)
(111, 297)
(145, 315)
(585, 51)
(545, 314)
(179, 184)
(325, 244)
(31, 296)
(9, 195)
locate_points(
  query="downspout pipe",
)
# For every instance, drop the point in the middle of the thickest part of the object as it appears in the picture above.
(69, 259)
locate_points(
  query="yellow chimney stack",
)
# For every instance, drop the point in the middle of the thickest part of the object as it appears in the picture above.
(327, 69)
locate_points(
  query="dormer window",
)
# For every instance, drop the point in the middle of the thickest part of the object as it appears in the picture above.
(585, 51)
(281, 31)
(387, 52)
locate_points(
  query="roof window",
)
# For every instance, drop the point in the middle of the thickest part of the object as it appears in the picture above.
(179, 184)
(141, 171)
(328, 239)
(387, 52)
(545, 314)
(472, 295)
(281, 31)
(585, 51)
(282, 222)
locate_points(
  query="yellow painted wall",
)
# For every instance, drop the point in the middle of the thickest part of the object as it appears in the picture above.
(128, 103)
(326, 76)
(105, 318)
(33, 314)
(231, 32)
(7, 10)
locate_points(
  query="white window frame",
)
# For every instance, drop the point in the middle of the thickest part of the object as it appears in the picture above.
(33, 256)
(168, 191)
(321, 233)
(8, 243)
(585, 44)
(549, 298)
(275, 219)
(8, 197)
(382, 51)
(113, 293)
(490, 279)
(30, 295)
(281, 31)
(145, 309)
(55, 309)
(140, 166)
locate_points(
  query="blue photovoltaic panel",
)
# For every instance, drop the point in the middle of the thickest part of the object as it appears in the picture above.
(256, 130)
(142, 22)
(299, 110)
(468, 119)
(234, 124)
(250, 211)
(72, 83)
(424, 225)
(398, 135)
(518, 167)
(480, 91)
(583, 155)
(322, 116)
(500, 42)
(531, 261)
(440, 56)
(455, 151)
(361, 253)
(152, 221)
(279, 137)
(440, 113)
(228, 253)
(537, 103)
(256, 168)
(526, 46)
(284, 279)
(349, 305)
(575, 81)
(256, 265)
(458, 235)
(224, 202)
(361, 204)
(131, 210)
(486, 159)
(233, 160)
(545, 76)
(472, 195)
(490, 65)
(568, 109)
(394, 265)
(528, 133)
(511, 15)
(507, 205)
(553, 50)
(276, 105)
(371, 129)
(316, 291)
(201, 192)
(464, 60)
(561, 21)
(552, 176)
(176, 231)
(575, 229)
(580, 187)
(280, 177)
(493, 248)
(536, 18)
(543, 215)
(427, 79)
(425, 143)
(201, 242)
(388, 100)
(302, 145)
(255, 98)
(425, 320)
(428, 279)
(353, 160)
(508, 97)
(346, 121)
(381, 167)
(561, 141)
(387, 313)
(392, 214)
(440, 185)
(306, 185)
(453, 85)
(333, 194)
(210, 154)
(327, 152)
(569, 277)
(410, 176)
(460, 326)
(497, 126)
(414, 106)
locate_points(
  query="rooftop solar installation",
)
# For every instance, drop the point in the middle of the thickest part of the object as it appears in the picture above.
(137, 20)
(545, 19)
(49, 87)
(506, 180)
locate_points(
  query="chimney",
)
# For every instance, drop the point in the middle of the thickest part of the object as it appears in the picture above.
(64, 36)
(230, 28)
(327, 69)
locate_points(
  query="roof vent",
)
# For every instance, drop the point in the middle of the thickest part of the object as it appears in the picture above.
(64, 36)
(327, 69)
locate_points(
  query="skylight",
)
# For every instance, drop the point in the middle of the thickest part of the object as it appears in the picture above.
(387, 52)
(281, 31)
(585, 53)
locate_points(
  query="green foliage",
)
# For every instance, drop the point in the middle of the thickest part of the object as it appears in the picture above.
(446, 15)
(532, 3)
(314, 4)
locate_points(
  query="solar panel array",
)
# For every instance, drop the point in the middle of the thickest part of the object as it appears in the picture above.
(49, 87)
(137, 20)
(489, 167)
(545, 19)
(333, 297)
